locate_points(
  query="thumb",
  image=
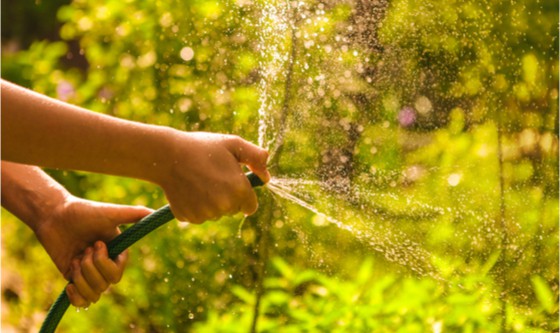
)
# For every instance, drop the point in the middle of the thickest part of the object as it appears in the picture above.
(121, 214)
(251, 155)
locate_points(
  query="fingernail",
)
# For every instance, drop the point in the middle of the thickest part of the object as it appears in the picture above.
(98, 245)
(88, 251)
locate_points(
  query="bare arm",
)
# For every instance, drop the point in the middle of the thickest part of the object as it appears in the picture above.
(39, 130)
(199, 172)
(30, 194)
(66, 226)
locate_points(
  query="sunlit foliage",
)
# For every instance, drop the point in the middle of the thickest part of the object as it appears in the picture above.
(423, 136)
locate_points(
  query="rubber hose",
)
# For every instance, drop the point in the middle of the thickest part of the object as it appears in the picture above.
(117, 246)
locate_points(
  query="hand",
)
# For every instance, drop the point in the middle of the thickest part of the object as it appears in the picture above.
(68, 235)
(206, 180)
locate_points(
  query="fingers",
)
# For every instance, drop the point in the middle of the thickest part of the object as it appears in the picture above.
(239, 197)
(120, 214)
(250, 204)
(110, 270)
(75, 298)
(234, 195)
(251, 155)
(206, 213)
(93, 274)
(248, 197)
(212, 183)
(131, 214)
(255, 158)
(81, 284)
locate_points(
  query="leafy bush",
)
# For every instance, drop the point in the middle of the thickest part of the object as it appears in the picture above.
(424, 134)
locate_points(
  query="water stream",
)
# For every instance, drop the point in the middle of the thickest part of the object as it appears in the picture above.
(279, 32)
(394, 245)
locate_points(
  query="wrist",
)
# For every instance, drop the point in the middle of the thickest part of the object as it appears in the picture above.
(30, 194)
(46, 206)
(156, 159)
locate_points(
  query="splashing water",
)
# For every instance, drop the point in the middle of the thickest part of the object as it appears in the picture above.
(329, 65)
(394, 245)
(274, 25)
(276, 65)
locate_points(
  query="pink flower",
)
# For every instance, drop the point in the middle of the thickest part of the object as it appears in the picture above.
(407, 116)
(65, 90)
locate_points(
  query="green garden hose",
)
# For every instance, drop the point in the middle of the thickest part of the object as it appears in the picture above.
(118, 245)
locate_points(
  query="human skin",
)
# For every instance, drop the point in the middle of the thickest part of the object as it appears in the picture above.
(67, 227)
(200, 173)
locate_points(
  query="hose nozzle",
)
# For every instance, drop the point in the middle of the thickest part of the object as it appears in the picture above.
(254, 179)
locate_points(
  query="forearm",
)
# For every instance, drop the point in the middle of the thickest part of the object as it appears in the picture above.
(30, 194)
(200, 173)
(43, 131)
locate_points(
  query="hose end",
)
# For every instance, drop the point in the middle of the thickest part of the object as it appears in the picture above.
(254, 179)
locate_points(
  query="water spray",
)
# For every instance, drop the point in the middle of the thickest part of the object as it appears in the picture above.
(117, 246)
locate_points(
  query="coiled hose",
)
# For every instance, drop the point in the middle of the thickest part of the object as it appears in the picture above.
(118, 245)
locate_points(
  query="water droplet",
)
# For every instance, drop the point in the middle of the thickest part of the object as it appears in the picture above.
(187, 53)
(454, 179)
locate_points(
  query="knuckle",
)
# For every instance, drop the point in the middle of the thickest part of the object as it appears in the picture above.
(97, 260)
(87, 260)
(227, 139)
(235, 139)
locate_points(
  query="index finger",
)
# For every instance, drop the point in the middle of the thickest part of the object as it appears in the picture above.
(251, 155)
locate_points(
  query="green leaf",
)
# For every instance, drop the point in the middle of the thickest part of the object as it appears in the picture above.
(544, 293)
(365, 272)
(492, 260)
(283, 268)
(243, 294)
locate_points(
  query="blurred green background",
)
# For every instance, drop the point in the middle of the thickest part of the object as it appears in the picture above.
(428, 130)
